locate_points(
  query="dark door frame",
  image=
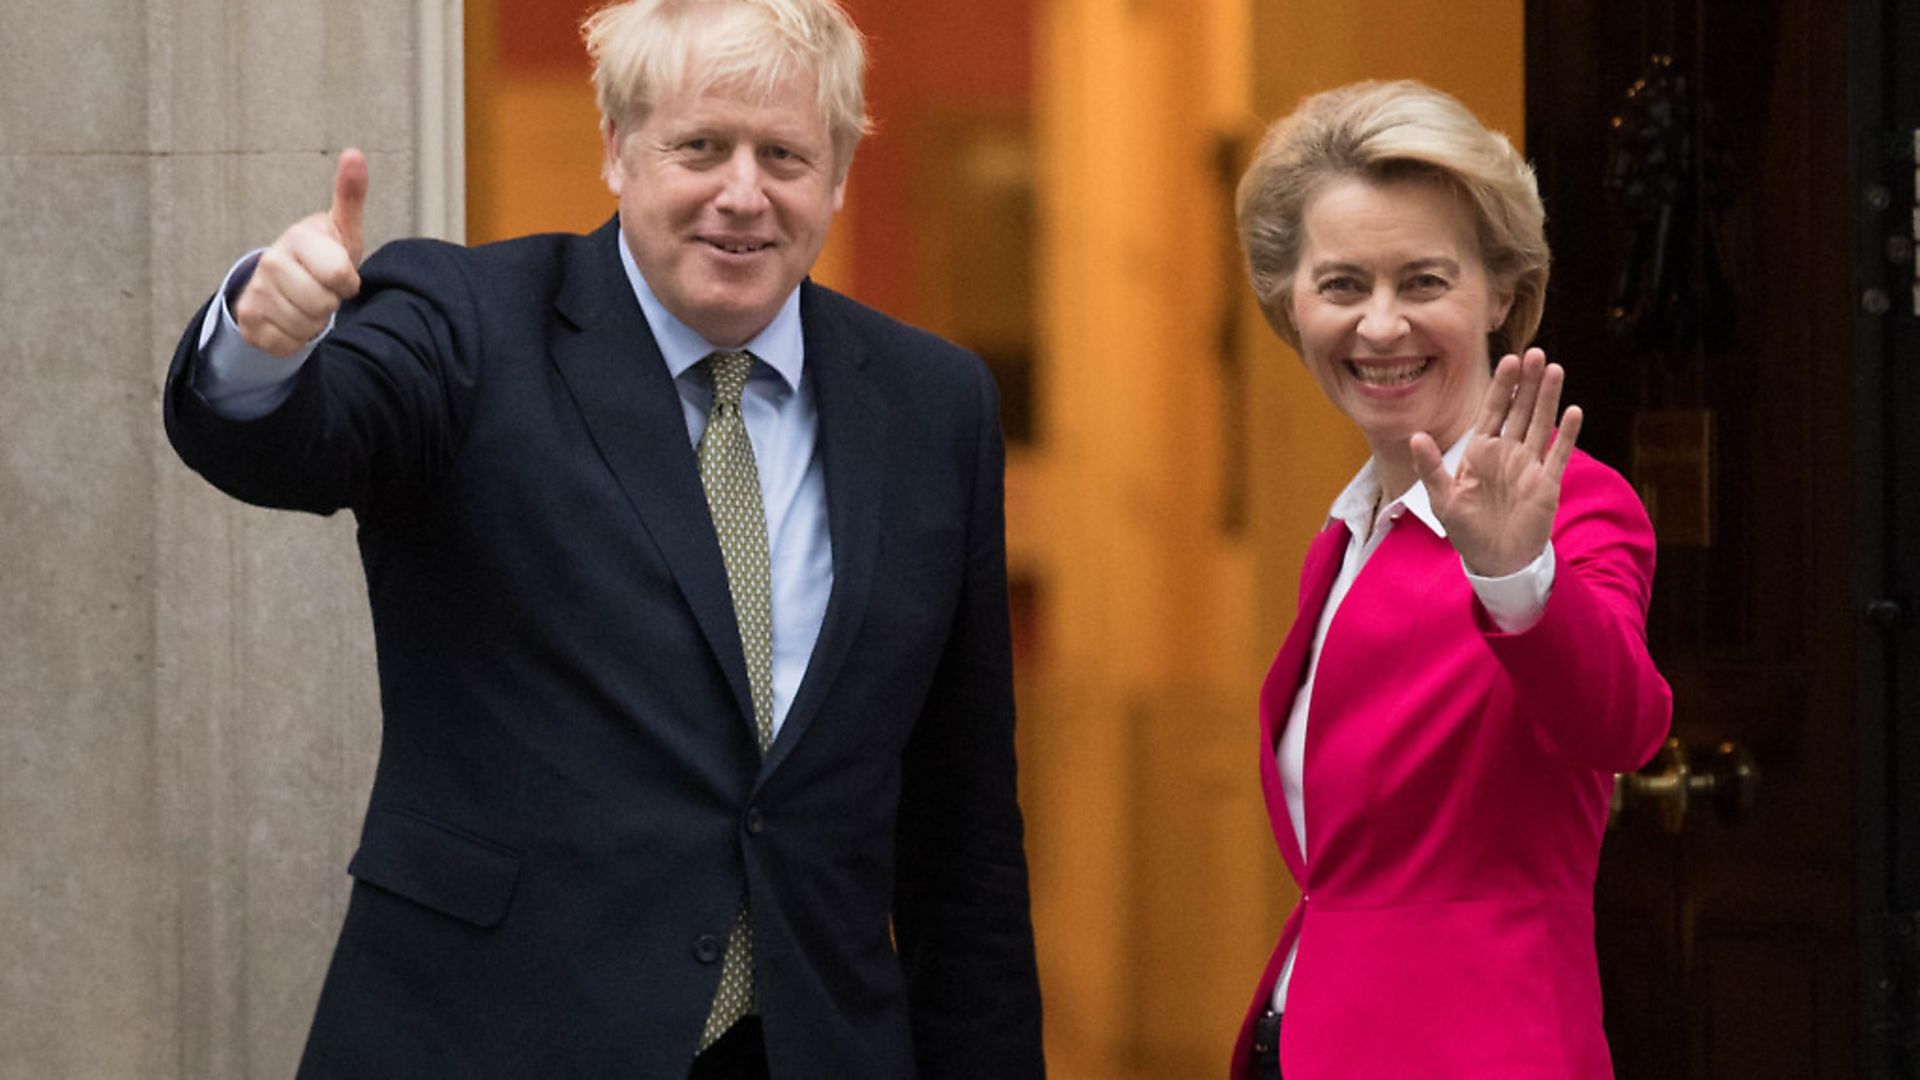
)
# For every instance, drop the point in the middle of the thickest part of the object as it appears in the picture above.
(1884, 118)
(1883, 114)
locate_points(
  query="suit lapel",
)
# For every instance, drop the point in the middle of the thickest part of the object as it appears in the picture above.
(1317, 575)
(852, 441)
(613, 367)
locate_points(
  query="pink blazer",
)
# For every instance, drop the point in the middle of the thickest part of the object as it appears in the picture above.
(1457, 781)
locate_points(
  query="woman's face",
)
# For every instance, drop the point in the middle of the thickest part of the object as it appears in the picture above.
(1393, 306)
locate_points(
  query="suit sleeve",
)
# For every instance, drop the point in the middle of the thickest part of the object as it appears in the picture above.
(961, 914)
(372, 413)
(1583, 673)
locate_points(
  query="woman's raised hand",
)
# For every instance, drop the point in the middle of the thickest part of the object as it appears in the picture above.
(1498, 506)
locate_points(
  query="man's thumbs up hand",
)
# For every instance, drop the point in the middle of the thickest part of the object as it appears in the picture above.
(309, 271)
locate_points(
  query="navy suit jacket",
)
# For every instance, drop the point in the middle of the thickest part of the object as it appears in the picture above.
(569, 803)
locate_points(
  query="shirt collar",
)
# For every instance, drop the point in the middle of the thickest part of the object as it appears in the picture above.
(1354, 505)
(780, 345)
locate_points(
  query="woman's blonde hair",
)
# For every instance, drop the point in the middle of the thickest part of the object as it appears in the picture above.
(1382, 131)
(646, 51)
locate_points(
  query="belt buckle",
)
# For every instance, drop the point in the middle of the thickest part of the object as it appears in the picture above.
(1266, 1032)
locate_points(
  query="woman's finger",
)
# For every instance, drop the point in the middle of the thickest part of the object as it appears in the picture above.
(1430, 466)
(1493, 412)
(1540, 426)
(1563, 440)
(1526, 394)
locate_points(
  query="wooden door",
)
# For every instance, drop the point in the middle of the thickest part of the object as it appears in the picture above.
(1694, 158)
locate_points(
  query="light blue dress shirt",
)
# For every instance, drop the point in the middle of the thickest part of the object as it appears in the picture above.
(243, 383)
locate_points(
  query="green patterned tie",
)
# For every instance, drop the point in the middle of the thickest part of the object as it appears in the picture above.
(732, 482)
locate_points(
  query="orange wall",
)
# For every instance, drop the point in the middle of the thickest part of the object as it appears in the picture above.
(533, 144)
(925, 56)
(1473, 49)
(538, 37)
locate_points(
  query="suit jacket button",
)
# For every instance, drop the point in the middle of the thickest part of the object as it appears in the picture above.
(756, 822)
(706, 948)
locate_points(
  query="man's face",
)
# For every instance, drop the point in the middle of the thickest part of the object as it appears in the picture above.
(725, 201)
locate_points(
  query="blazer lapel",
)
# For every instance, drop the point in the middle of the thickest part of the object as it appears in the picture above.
(1317, 575)
(852, 444)
(611, 363)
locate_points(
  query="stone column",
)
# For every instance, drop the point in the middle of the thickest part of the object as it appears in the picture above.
(188, 715)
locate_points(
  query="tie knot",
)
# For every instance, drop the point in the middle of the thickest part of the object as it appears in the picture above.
(729, 372)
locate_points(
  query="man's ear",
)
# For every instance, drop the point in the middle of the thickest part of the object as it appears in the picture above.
(612, 168)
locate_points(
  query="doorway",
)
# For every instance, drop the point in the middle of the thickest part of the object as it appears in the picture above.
(1704, 165)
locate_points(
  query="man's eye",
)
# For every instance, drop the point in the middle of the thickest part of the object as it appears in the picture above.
(779, 153)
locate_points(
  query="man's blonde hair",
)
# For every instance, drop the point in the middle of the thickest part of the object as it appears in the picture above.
(1383, 131)
(646, 51)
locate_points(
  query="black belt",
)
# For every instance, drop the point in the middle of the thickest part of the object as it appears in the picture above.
(1266, 1045)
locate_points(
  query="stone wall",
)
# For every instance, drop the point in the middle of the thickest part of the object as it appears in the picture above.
(188, 717)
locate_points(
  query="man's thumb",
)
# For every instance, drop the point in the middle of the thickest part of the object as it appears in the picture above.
(350, 202)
